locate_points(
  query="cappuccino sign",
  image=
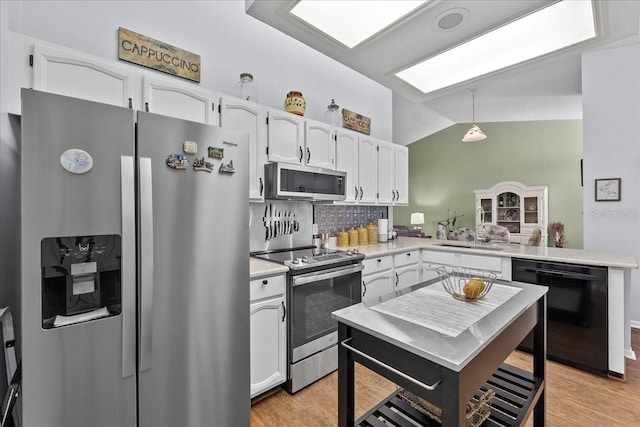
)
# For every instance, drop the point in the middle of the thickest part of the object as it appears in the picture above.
(151, 53)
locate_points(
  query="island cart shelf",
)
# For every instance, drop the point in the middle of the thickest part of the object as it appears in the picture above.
(516, 391)
(445, 371)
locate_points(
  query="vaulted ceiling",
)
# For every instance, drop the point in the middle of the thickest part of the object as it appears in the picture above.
(546, 88)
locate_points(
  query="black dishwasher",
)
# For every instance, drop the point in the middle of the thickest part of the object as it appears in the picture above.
(576, 312)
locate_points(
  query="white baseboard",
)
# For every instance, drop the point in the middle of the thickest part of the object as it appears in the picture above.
(635, 324)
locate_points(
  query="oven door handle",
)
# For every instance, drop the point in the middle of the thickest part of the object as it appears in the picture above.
(317, 276)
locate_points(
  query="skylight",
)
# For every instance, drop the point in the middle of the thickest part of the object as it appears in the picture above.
(555, 27)
(352, 22)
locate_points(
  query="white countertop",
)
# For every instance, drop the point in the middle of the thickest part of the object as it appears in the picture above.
(511, 250)
(451, 352)
(261, 268)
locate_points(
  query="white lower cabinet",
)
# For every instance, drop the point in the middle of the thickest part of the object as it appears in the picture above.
(406, 276)
(406, 266)
(388, 273)
(377, 284)
(431, 260)
(268, 333)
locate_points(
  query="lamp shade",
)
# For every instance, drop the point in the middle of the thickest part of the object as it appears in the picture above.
(474, 134)
(417, 218)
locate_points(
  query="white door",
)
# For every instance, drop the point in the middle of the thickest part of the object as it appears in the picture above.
(180, 100)
(268, 345)
(71, 73)
(249, 117)
(367, 170)
(377, 284)
(386, 177)
(347, 161)
(285, 137)
(401, 174)
(406, 276)
(320, 144)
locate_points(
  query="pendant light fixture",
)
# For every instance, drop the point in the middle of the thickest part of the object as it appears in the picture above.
(474, 133)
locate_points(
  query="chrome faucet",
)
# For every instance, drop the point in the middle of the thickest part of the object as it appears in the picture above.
(480, 228)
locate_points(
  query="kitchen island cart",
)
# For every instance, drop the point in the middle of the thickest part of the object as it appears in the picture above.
(443, 369)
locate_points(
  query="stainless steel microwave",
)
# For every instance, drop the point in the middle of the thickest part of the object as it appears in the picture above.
(298, 182)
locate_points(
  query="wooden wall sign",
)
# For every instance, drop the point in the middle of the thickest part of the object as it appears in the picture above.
(151, 53)
(356, 121)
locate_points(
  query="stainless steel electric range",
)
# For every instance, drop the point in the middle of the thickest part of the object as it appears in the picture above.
(319, 282)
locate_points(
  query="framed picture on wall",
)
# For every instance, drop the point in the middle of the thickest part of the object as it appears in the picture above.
(608, 190)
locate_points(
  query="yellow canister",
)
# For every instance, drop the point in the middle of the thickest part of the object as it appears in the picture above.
(343, 238)
(363, 235)
(372, 231)
(353, 236)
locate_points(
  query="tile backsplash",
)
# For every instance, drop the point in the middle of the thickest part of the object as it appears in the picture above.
(332, 218)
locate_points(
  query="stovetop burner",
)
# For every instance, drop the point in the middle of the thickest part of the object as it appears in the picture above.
(310, 257)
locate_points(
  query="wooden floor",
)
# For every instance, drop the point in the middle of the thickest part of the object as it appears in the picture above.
(574, 398)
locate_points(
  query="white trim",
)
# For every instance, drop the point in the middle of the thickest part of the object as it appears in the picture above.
(635, 324)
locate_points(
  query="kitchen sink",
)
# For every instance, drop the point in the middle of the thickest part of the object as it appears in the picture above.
(480, 246)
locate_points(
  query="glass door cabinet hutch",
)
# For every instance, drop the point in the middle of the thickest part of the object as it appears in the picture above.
(515, 206)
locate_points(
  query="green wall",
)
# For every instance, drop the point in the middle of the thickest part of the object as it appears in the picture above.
(444, 172)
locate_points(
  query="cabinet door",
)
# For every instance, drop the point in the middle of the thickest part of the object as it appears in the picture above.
(70, 73)
(428, 271)
(367, 170)
(406, 276)
(285, 137)
(249, 117)
(386, 176)
(320, 145)
(181, 100)
(377, 284)
(268, 345)
(401, 175)
(347, 161)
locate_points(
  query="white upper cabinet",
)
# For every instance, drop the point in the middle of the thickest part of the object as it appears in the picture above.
(401, 175)
(320, 144)
(179, 99)
(386, 175)
(71, 73)
(347, 161)
(252, 118)
(367, 170)
(285, 137)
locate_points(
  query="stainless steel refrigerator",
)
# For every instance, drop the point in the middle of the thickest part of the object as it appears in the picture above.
(135, 270)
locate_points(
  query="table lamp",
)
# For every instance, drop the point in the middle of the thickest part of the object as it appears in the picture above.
(417, 219)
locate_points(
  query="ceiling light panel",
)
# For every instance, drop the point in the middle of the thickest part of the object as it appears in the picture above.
(553, 28)
(352, 22)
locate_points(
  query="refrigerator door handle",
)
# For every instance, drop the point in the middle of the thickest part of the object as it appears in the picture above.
(127, 192)
(146, 263)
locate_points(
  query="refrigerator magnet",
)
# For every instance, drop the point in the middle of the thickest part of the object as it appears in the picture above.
(177, 161)
(190, 147)
(76, 161)
(215, 152)
(201, 165)
(228, 168)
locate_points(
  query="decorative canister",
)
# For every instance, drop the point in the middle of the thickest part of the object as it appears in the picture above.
(353, 236)
(343, 238)
(295, 103)
(372, 232)
(363, 235)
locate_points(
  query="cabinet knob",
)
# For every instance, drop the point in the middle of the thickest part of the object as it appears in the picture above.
(379, 260)
(264, 282)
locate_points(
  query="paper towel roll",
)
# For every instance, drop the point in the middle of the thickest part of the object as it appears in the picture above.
(383, 228)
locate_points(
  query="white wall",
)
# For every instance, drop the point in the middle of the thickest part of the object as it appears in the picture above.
(229, 42)
(611, 134)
